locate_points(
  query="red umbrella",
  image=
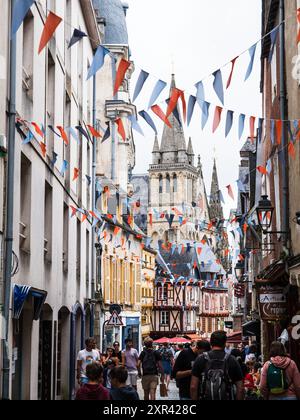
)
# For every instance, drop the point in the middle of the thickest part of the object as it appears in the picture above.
(179, 340)
(162, 341)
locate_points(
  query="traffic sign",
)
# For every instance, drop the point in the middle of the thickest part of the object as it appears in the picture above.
(115, 320)
(115, 308)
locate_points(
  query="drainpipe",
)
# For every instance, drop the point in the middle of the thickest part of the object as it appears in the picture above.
(9, 211)
(94, 187)
(283, 116)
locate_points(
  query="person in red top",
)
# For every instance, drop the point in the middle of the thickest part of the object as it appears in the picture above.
(93, 390)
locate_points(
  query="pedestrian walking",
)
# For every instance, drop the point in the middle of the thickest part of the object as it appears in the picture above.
(150, 361)
(179, 350)
(117, 354)
(167, 362)
(182, 370)
(93, 390)
(130, 359)
(106, 374)
(120, 391)
(86, 357)
(214, 373)
(280, 377)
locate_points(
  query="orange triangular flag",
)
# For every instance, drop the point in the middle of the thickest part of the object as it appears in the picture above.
(217, 118)
(292, 150)
(84, 218)
(245, 227)
(76, 174)
(159, 112)
(117, 230)
(94, 132)
(43, 148)
(210, 225)
(252, 128)
(183, 105)
(74, 211)
(121, 129)
(176, 94)
(279, 131)
(63, 135)
(227, 252)
(203, 241)
(262, 170)
(122, 69)
(151, 219)
(51, 24)
(195, 265)
(37, 129)
(199, 250)
(231, 73)
(230, 192)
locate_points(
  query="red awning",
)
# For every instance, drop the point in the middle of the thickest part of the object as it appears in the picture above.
(179, 340)
(162, 341)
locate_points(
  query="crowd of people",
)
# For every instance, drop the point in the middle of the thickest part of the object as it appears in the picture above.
(202, 371)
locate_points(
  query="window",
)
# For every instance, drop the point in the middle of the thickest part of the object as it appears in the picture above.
(206, 302)
(175, 184)
(161, 187)
(27, 76)
(48, 222)
(65, 238)
(168, 185)
(162, 294)
(25, 204)
(164, 318)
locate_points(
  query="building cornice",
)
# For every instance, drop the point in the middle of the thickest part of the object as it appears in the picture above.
(91, 22)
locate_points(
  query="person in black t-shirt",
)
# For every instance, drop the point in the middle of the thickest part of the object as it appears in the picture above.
(218, 343)
(117, 354)
(182, 371)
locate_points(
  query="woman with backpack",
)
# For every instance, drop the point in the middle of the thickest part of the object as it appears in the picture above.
(280, 377)
(167, 358)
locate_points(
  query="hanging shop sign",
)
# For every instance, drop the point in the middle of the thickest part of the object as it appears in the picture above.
(272, 304)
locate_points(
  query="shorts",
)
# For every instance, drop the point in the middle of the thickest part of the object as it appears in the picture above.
(132, 378)
(150, 382)
(167, 368)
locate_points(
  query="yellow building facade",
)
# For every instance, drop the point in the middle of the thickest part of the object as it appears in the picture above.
(147, 290)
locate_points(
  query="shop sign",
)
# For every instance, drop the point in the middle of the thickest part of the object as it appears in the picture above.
(272, 303)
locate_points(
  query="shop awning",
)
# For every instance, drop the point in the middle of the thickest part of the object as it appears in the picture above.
(194, 337)
(21, 293)
(251, 329)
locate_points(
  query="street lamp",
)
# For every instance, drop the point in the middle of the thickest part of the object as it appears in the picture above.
(265, 212)
(239, 269)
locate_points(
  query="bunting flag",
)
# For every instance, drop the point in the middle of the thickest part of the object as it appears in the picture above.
(28, 138)
(50, 27)
(43, 149)
(89, 180)
(73, 133)
(176, 94)
(76, 37)
(231, 73)
(54, 158)
(149, 120)
(98, 61)
(260, 129)
(182, 97)
(75, 174)
(221, 197)
(252, 128)
(217, 118)
(116, 230)
(230, 192)
(218, 85)
(229, 122)
(158, 88)
(53, 131)
(135, 125)
(63, 135)
(37, 129)
(121, 128)
(278, 131)
(191, 107)
(107, 133)
(292, 150)
(242, 118)
(74, 211)
(94, 132)
(273, 131)
(252, 51)
(175, 113)
(205, 113)
(159, 112)
(140, 83)
(82, 131)
(151, 219)
(200, 95)
(65, 166)
(245, 228)
(273, 36)
(84, 218)
(269, 166)
(122, 69)
(262, 170)
(21, 8)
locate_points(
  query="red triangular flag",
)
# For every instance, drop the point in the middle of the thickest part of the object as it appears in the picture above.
(195, 265)
(298, 15)
(37, 129)
(217, 118)
(43, 148)
(151, 219)
(84, 218)
(279, 131)
(231, 73)
(122, 69)
(159, 112)
(74, 211)
(245, 227)
(76, 174)
(121, 129)
(292, 150)
(63, 135)
(227, 251)
(94, 132)
(117, 230)
(262, 170)
(183, 104)
(252, 128)
(176, 94)
(230, 192)
(199, 250)
(51, 24)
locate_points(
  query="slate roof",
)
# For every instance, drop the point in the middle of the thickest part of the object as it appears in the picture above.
(114, 14)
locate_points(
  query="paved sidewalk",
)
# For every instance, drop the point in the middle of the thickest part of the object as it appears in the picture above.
(173, 392)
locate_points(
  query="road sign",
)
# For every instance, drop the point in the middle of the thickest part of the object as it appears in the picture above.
(115, 308)
(115, 320)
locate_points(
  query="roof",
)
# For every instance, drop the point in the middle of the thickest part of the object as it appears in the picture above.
(114, 13)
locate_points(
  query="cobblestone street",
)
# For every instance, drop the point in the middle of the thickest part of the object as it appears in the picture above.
(173, 392)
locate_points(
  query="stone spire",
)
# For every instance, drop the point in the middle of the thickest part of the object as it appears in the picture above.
(173, 145)
(216, 210)
(190, 152)
(156, 156)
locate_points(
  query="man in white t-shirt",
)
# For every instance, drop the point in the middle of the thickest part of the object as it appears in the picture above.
(85, 357)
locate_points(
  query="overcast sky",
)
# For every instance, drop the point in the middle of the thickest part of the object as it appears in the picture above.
(198, 36)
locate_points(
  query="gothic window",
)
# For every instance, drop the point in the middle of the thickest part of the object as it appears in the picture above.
(175, 184)
(161, 184)
(168, 184)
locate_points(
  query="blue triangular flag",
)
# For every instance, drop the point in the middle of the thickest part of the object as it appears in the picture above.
(98, 61)
(107, 133)
(135, 125)
(89, 179)
(205, 113)
(273, 131)
(191, 107)
(158, 88)
(149, 120)
(273, 36)
(241, 125)
(269, 166)
(73, 133)
(221, 197)
(76, 37)
(140, 83)
(21, 8)
(54, 158)
(200, 95)
(229, 121)
(252, 51)
(218, 85)
(53, 131)
(64, 167)
(260, 129)
(28, 138)
(82, 131)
